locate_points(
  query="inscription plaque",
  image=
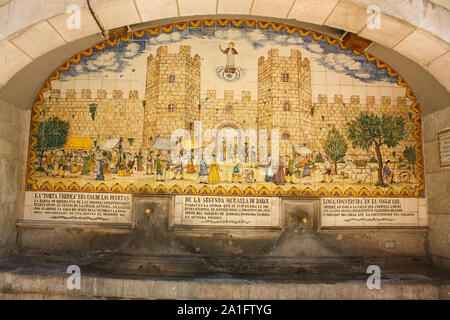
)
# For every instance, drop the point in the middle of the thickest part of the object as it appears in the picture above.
(226, 211)
(444, 148)
(73, 207)
(369, 212)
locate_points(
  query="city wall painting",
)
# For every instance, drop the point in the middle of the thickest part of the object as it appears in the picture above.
(263, 109)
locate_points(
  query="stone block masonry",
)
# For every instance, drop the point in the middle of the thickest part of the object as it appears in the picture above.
(172, 101)
(98, 117)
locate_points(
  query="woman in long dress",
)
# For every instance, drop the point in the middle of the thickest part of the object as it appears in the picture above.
(190, 166)
(213, 177)
(86, 164)
(98, 170)
(279, 178)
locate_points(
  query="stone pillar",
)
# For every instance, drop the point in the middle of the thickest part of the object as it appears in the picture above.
(14, 131)
(437, 188)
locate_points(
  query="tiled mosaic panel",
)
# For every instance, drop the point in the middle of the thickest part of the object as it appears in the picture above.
(142, 88)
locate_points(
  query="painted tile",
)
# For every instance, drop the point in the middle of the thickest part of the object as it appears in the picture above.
(120, 103)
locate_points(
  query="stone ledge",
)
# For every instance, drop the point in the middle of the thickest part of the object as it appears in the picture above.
(20, 279)
(108, 228)
(25, 286)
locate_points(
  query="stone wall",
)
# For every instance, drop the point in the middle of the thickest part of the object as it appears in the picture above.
(229, 111)
(172, 92)
(14, 129)
(284, 97)
(437, 183)
(329, 112)
(115, 117)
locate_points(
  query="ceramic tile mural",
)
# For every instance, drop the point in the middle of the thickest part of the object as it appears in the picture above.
(230, 107)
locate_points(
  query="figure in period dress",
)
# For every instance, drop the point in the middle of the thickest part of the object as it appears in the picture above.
(230, 52)
(269, 171)
(203, 174)
(98, 170)
(279, 178)
(149, 163)
(86, 169)
(159, 168)
(236, 176)
(289, 169)
(213, 177)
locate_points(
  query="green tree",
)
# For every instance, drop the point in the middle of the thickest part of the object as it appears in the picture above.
(50, 134)
(369, 130)
(319, 158)
(411, 155)
(335, 146)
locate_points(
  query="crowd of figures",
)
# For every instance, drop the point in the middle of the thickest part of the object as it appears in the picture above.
(166, 165)
(71, 163)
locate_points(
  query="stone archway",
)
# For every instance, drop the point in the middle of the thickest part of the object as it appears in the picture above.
(423, 42)
(229, 140)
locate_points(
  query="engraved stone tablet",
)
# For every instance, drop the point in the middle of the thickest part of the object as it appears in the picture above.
(371, 212)
(77, 207)
(226, 211)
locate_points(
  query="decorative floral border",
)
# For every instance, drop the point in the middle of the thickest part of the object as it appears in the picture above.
(31, 184)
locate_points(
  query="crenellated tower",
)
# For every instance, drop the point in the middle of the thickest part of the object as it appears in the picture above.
(172, 93)
(284, 98)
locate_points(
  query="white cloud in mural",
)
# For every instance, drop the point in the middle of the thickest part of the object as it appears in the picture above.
(341, 62)
(231, 34)
(166, 37)
(314, 47)
(292, 40)
(79, 68)
(107, 60)
(256, 35)
(280, 38)
(131, 50)
(363, 75)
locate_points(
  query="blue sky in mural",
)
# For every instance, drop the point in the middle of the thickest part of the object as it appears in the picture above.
(332, 57)
(113, 59)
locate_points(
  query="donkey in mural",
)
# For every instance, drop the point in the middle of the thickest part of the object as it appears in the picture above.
(359, 168)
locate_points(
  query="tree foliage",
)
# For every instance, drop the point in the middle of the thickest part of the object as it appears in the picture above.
(369, 129)
(411, 155)
(335, 146)
(50, 134)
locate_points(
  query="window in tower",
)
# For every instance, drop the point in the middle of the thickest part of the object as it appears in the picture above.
(285, 77)
(287, 106)
(171, 107)
(229, 108)
(171, 78)
(286, 136)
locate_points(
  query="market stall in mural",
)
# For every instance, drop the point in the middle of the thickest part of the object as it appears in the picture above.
(226, 107)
